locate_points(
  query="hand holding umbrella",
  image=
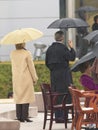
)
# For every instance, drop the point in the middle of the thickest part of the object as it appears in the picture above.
(70, 44)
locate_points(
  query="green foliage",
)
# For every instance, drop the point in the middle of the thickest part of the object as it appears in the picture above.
(76, 81)
(43, 75)
(5, 80)
(76, 76)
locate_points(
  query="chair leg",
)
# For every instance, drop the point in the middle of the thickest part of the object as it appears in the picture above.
(66, 118)
(72, 113)
(97, 119)
(79, 121)
(73, 124)
(45, 119)
(51, 121)
(73, 119)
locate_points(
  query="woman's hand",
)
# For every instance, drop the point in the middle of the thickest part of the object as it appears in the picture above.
(34, 82)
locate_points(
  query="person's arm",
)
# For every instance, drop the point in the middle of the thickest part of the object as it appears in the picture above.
(88, 83)
(46, 59)
(93, 28)
(32, 67)
(83, 47)
(70, 53)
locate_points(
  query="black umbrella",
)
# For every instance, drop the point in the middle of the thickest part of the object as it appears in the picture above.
(92, 37)
(95, 49)
(87, 9)
(85, 58)
(66, 23)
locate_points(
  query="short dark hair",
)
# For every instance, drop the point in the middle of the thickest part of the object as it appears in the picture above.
(95, 18)
(85, 65)
(59, 35)
(19, 46)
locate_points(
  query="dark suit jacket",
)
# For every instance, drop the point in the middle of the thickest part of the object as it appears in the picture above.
(57, 60)
(83, 47)
(95, 26)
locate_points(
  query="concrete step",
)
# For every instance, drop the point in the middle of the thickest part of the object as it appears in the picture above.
(8, 124)
(8, 109)
(11, 114)
(8, 114)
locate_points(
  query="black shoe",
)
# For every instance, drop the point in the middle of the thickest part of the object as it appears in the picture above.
(21, 120)
(28, 120)
(59, 121)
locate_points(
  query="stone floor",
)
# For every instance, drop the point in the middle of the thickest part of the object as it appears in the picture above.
(37, 124)
(8, 111)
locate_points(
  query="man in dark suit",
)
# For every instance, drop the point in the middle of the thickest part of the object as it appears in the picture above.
(57, 60)
(95, 24)
(83, 43)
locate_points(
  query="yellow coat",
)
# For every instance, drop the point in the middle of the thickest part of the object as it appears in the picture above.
(23, 76)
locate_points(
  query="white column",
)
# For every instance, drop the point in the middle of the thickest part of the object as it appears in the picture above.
(71, 35)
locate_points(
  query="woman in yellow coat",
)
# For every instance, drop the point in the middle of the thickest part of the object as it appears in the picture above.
(24, 77)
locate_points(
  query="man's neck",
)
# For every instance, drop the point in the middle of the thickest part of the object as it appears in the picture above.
(60, 41)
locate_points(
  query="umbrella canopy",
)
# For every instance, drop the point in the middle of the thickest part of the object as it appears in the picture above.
(66, 23)
(87, 57)
(87, 9)
(21, 36)
(95, 49)
(92, 37)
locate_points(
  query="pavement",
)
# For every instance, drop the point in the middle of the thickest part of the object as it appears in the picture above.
(8, 107)
(37, 124)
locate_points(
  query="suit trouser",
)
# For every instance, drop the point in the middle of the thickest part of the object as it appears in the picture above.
(22, 111)
(60, 80)
(59, 114)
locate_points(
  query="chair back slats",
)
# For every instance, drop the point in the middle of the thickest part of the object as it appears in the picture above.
(75, 98)
(46, 93)
(86, 114)
(53, 102)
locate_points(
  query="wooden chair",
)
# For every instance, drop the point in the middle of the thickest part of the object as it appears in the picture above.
(81, 112)
(88, 99)
(50, 105)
